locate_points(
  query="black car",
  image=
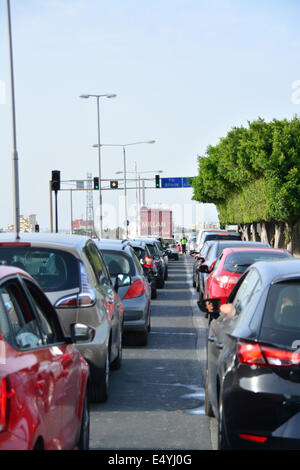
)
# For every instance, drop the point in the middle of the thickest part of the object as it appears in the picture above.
(199, 258)
(147, 262)
(158, 260)
(253, 360)
(214, 252)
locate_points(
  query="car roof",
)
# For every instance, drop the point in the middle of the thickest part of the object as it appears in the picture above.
(254, 249)
(278, 270)
(112, 244)
(137, 243)
(58, 239)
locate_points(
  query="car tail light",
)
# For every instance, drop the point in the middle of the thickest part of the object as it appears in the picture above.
(26, 244)
(4, 395)
(3, 401)
(225, 281)
(85, 298)
(148, 262)
(135, 290)
(256, 354)
(253, 438)
(173, 246)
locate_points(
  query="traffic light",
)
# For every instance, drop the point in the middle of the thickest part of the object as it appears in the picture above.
(114, 184)
(96, 182)
(157, 181)
(55, 181)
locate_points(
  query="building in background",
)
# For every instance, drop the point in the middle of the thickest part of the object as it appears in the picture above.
(27, 224)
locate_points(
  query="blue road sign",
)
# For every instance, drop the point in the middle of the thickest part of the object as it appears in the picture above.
(175, 182)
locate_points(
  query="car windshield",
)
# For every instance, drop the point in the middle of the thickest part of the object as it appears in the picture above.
(238, 262)
(281, 320)
(118, 262)
(55, 270)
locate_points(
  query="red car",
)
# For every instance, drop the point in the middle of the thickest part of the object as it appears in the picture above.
(43, 377)
(231, 264)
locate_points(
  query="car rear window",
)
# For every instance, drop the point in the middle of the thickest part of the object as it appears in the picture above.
(55, 270)
(218, 236)
(239, 262)
(281, 319)
(118, 263)
(140, 253)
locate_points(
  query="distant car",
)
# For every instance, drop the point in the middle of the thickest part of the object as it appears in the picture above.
(44, 380)
(172, 248)
(159, 260)
(231, 264)
(199, 258)
(214, 252)
(253, 360)
(191, 244)
(71, 271)
(132, 285)
(147, 262)
(213, 234)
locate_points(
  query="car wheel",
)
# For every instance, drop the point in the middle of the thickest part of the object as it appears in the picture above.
(194, 282)
(116, 364)
(161, 283)
(222, 441)
(99, 387)
(176, 257)
(154, 293)
(166, 275)
(207, 404)
(197, 284)
(141, 338)
(84, 438)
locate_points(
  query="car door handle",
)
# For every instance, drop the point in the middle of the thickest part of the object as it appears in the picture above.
(211, 339)
(220, 345)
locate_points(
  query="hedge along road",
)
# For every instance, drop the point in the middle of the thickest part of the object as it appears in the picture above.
(156, 399)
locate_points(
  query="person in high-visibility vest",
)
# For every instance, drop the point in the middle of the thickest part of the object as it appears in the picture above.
(183, 242)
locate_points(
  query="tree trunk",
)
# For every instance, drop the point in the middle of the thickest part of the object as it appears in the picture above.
(279, 236)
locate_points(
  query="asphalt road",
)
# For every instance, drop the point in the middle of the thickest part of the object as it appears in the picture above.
(156, 398)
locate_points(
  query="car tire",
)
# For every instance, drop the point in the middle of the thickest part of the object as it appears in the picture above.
(176, 258)
(116, 364)
(161, 283)
(207, 404)
(166, 274)
(100, 385)
(141, 338)
(84, 438)
(154, 293)
(222, 441)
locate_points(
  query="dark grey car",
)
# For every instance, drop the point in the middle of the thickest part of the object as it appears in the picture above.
(132, 285)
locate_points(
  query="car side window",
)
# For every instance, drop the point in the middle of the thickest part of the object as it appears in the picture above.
(48, 323)
(247, 292)
(24, 328)
(136, 262)
(93, 256)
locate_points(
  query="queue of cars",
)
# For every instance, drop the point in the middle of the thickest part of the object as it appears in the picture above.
(252, 384)
(66, 304)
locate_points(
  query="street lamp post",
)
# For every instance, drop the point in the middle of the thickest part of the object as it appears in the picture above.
(15, 160)
(99, 152)
(124, 164)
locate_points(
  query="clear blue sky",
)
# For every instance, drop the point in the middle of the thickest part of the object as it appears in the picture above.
(184, 71)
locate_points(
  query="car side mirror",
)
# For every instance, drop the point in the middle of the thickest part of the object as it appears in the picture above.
(82, 333)
(122, 280)
(142, 261)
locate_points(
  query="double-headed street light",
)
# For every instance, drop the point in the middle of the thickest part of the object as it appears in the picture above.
(124, 162)
(99, 150)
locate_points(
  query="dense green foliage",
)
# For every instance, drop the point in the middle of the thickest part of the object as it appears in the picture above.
(253, 174)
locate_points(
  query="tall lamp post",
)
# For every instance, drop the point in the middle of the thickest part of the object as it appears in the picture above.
(124, 163)
(99, 150)
(15, 160)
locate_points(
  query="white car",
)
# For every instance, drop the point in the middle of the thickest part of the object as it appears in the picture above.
(191, 244)
(172, 248)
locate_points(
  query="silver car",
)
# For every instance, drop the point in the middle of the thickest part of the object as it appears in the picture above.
(72, 272)
(132, 285)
